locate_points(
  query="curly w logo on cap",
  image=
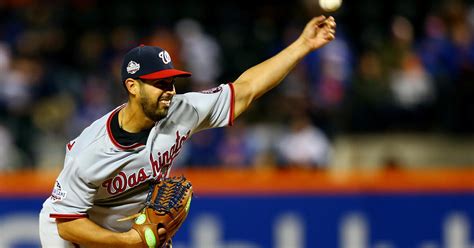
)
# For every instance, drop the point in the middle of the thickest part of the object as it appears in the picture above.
(149, 62)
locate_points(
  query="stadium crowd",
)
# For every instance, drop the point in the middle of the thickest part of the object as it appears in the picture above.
(395, 66)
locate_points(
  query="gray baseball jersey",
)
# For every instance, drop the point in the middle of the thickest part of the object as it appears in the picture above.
(106, 181)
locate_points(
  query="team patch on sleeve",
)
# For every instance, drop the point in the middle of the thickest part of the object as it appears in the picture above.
(212, 91)
(58, 193)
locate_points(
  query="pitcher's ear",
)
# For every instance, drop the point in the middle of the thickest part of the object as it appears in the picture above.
(132, 86)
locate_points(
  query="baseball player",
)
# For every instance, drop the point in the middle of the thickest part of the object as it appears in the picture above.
(108, 167)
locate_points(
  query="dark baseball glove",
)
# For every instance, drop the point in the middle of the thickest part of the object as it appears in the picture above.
(166, 208)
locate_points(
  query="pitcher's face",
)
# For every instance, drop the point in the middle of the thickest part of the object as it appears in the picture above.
(156, 96)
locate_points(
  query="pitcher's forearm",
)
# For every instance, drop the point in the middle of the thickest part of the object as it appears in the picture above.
(85, 232)
(260, 78)
(272, 71)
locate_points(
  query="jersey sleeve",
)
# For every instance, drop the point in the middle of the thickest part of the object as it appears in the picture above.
(214, 107)
(72, 194)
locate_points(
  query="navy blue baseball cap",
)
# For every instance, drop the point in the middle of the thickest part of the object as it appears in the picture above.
(149, 62)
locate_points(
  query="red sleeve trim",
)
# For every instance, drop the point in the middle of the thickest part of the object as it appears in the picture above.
(68, 216)
(232, 105)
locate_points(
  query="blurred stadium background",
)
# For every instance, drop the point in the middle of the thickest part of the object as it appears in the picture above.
(369, 142)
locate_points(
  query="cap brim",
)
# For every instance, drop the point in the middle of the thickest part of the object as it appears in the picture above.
(166, 74)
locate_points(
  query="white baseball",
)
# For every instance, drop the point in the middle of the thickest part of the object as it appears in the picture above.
(330, 5)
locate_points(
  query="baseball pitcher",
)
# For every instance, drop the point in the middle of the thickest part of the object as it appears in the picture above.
(114, 189)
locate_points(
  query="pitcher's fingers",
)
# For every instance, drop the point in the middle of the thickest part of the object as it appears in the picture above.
(317, 21)
(330, 36)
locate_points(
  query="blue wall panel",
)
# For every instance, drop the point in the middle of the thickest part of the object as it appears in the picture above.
(345, 221)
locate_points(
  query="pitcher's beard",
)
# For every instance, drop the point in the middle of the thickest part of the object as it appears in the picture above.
(153, 110)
